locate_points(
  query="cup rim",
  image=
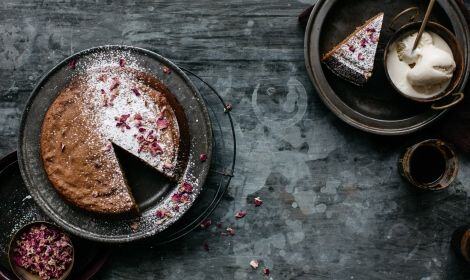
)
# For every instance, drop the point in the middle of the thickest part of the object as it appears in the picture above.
(407, 28)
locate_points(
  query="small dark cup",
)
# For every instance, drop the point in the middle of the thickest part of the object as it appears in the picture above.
(22, 273)
(449, 171)
(440, 101)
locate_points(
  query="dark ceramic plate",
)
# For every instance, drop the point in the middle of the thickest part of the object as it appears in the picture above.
(376, 107)
(18, 209)
(151, 190)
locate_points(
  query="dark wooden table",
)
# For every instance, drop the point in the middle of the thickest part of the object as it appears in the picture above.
(334, 205)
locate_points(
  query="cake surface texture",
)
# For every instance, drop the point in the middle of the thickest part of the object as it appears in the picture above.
(353, 58)
(100, 109)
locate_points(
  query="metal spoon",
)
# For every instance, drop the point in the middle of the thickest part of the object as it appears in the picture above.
(423, 25)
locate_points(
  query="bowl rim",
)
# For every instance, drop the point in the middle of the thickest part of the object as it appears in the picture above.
(459, 73)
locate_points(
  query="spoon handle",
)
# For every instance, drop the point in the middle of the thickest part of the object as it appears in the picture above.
(425, 22)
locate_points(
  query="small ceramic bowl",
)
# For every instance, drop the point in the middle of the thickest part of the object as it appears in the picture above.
(451, 90)
(448, 175)
(22, 273)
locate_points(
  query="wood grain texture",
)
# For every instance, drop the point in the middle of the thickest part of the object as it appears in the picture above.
(334, 205)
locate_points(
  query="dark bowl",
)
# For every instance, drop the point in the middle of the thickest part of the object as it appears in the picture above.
(454, 46)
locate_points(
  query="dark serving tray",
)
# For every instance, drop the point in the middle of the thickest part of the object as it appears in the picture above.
(150, 190)
(18, 209)
(376, 107)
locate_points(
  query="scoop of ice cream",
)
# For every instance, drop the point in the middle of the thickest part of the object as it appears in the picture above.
(435, 67)
(405, 47)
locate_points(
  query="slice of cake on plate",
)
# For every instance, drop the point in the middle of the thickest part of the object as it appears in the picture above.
(353, 58)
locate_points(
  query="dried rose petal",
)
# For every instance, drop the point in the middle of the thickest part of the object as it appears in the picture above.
(162, 123)
(206, 223)
(168, 165)
(370, 29)
(186, 188)
(138, 117)
(115, 83)
(364, 42)
(240, 214)
(258, 202)
(254, 264)
(203, 157)
(176, 198)
(160, 213)
(352, 48)
(266, 271)
(230, 231)
(166, 70)
(228, 107)
(122, 62)
(72, 64)
(360, 56)
(136, 91)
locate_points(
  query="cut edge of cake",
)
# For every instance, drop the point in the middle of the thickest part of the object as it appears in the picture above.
(337, 59)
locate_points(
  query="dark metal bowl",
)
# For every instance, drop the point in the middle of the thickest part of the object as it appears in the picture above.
(454, 46)
(152, 191)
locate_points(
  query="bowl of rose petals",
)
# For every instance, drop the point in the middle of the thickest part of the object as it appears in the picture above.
(40, 250)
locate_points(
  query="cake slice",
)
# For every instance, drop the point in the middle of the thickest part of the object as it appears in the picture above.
(353, 58)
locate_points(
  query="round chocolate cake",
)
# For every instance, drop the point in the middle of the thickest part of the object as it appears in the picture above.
(103, 108)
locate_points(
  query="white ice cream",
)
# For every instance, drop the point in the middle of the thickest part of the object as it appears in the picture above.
(424, 72)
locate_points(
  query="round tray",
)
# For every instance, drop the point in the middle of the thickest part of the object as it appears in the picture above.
(18, 209)
(121, 228)
(376, 107)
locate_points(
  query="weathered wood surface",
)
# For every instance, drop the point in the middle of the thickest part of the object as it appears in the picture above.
(335, 207)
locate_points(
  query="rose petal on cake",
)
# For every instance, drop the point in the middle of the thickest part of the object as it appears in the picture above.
(352, 48)
(162, 123)
(240, 214)
(161, 213)
(257, 201)
(254, 264)
(136, 91)
(364, 42)
(114, 84)
(360, 56)
(176, 198)
(122, 62)
(186, 188)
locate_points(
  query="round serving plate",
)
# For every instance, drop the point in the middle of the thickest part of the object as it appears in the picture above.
(376, 107)
(18, 209)
(151, 190)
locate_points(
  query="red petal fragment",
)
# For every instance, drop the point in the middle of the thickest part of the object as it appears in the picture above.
(186, 188)
(352, 48)
(72, 64)
(136, 91)
(360, 56)
(122, 62)
(203, 157)
(363, 42)
(162, 123)
(254, 264)
(266, 271)
(258, 202)
(166, 70)
(138, 117)
(115, 83)
(240, 214)
(206, 223)
(176, 198)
